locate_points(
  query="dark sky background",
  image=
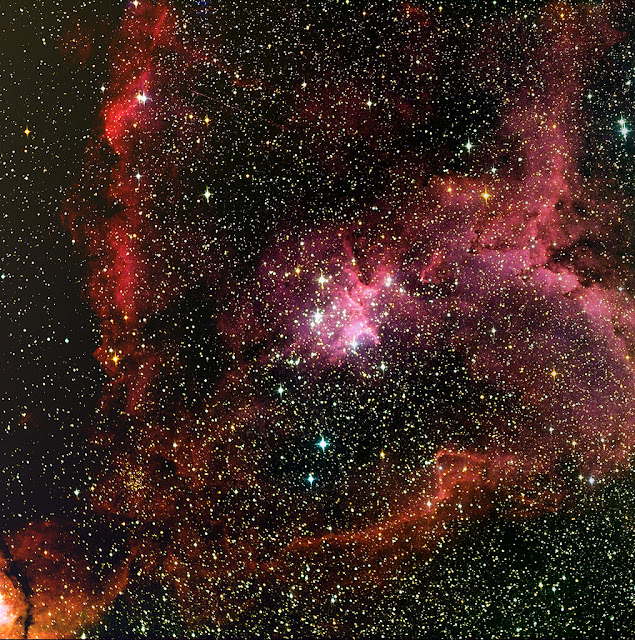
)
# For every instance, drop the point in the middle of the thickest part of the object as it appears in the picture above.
(52, 61)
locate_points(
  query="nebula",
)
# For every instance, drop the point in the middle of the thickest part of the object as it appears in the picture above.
(335, 327)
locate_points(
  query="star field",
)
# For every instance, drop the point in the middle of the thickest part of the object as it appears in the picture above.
(319, 320)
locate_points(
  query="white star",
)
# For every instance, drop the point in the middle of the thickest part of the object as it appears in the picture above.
(322, 444)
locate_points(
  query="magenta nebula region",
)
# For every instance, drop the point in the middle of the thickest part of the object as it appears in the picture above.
(363, 279)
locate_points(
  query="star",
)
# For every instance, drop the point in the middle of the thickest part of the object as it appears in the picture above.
(207, 194)
(322, 444)
(310, 479)
(27, 131)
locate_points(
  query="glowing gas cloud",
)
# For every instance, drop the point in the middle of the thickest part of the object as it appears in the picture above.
(290, 242)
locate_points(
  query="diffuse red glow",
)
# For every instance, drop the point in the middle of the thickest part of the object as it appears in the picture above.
(444, 268)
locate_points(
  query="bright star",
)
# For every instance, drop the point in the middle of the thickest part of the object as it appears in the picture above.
(469, 146)
(207, 194)
(142, 97)
(310, 479)
(322, 444)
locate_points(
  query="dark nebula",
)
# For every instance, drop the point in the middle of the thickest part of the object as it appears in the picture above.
(363, 277)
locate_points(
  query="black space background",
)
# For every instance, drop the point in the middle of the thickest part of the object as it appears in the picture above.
(52, 63)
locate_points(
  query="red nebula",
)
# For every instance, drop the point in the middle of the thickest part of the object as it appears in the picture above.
(205, 346)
